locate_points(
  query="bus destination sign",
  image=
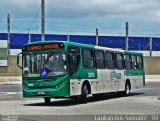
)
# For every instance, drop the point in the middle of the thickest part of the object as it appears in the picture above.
(43, 47)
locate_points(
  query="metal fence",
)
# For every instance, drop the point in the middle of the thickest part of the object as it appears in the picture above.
(135, 43)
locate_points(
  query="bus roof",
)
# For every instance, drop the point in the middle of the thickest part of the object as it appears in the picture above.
(133, 52)
(65, 42)
(84, 45)
(109, 49)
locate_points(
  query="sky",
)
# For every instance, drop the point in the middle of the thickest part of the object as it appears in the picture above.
(83, 16)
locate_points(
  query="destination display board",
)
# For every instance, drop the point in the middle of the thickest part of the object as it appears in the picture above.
(48, 46)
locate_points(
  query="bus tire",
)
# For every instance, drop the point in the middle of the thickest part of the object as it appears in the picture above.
(127, 89)
(47, 100)
(84, 94)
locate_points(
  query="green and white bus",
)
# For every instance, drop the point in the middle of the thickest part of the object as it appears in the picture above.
(55, 69)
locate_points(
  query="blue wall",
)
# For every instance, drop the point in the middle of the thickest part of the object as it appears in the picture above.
(135, 43)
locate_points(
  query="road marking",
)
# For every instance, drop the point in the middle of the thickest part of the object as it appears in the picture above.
(4, 94)
(9, 93)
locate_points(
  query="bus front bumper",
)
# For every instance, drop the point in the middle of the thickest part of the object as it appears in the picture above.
(46, 92)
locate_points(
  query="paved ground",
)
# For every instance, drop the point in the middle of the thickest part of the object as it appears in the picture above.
(141, 102)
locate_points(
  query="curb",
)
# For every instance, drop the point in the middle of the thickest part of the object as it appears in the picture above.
(11, 83)
(152, 80)
(13, 80)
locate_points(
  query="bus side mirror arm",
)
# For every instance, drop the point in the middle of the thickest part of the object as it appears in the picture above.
(18, 61)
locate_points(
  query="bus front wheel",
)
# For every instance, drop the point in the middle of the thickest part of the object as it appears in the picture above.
(47, 100)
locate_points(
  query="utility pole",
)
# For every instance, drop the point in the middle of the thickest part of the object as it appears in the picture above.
(8, 23)
(68, 37)
(96, 36)
(150, 46)
(43, 20)
(126, 35)
(139, 47)
(29, 37)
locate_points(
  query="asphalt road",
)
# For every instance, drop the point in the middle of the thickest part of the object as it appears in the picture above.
(141, 102)
(10, 88)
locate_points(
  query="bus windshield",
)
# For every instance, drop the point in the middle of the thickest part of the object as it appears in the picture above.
(49, 64)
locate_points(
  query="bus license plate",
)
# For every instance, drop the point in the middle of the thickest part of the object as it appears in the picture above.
(41, 93)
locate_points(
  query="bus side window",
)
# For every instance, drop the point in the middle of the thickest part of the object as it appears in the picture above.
(128, 61)
(87, 61)
(139, 62)
(99, 59)
(109, 60)
(73, 55)
(119, 61)
(134, 62)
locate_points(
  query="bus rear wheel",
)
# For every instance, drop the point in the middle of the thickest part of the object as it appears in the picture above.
(127, 89)
(84, 94)
(47, 100)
